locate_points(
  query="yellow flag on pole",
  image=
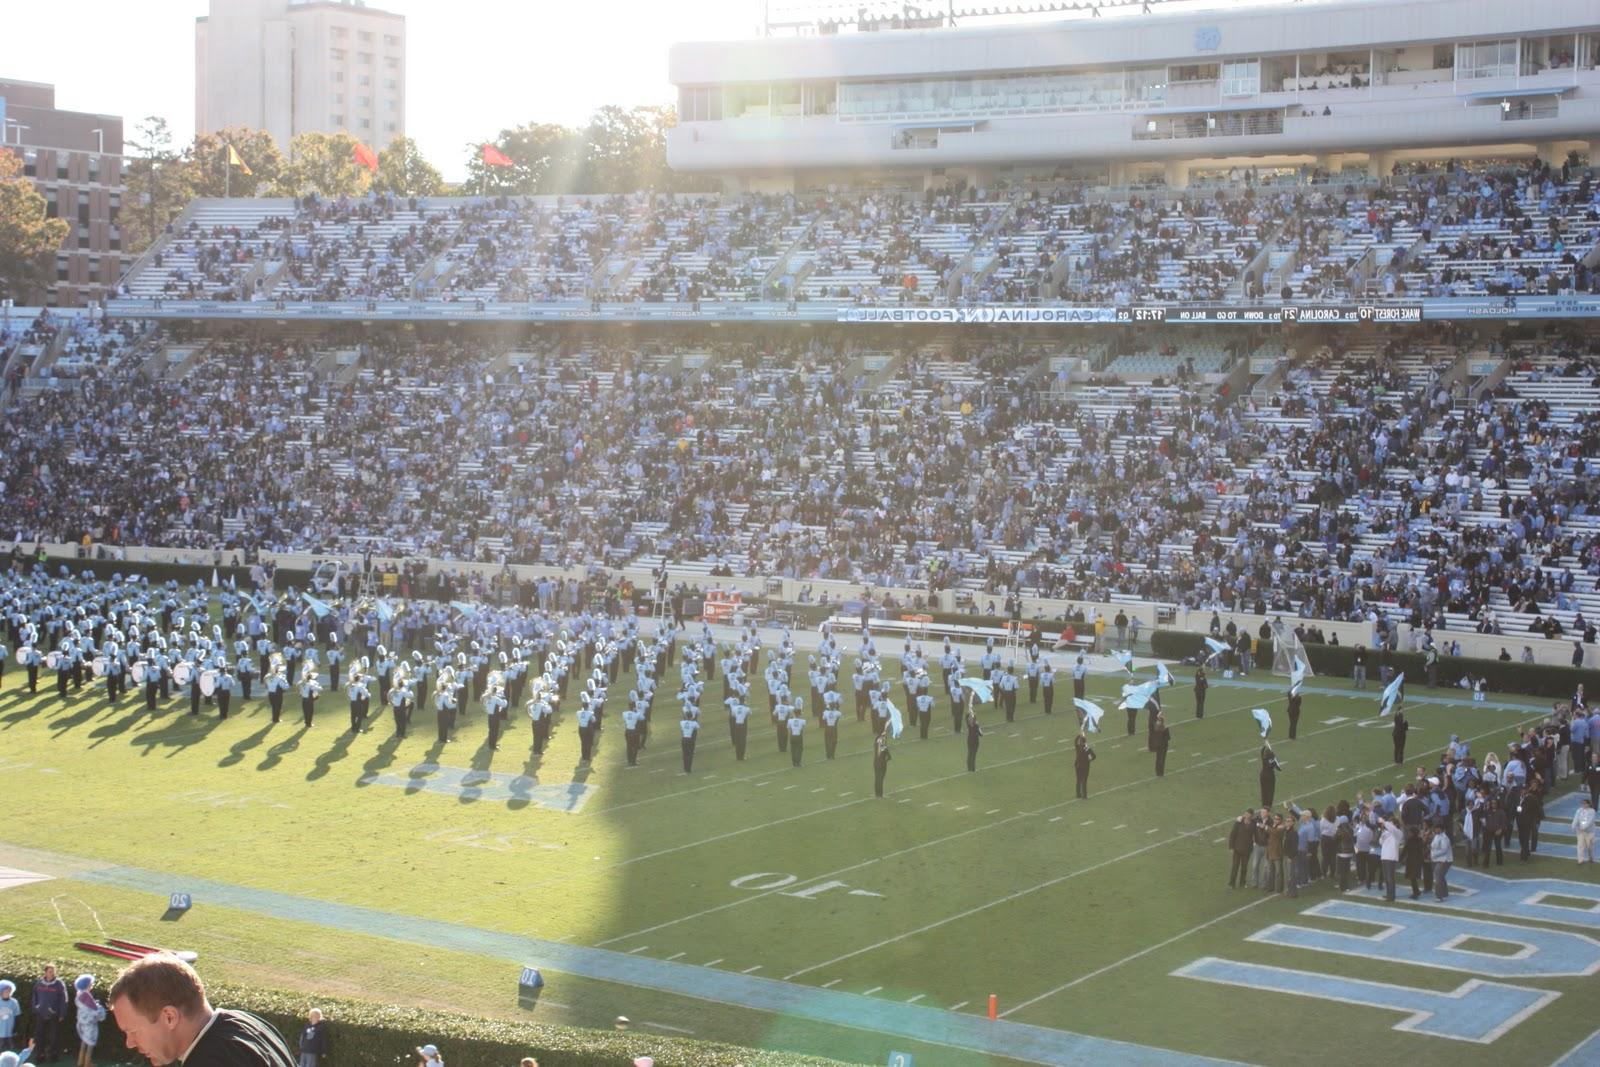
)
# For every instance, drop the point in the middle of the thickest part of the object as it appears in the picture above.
(235, 161)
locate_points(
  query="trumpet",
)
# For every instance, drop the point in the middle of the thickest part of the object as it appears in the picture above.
(308, 677)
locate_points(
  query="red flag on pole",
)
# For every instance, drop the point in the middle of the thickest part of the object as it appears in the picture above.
(493, 157)
(366, 156)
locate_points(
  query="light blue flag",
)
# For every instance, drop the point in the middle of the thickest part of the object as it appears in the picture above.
(896, 722)
(1263, 717)
(1162, 674)
(1391, 694)
(1091, 714)
(1135, 697)
(1124, 657)
(980, 689)
(385, 612)
(318, 607)
(463, 607)
(1297, 675)
(1216, 646)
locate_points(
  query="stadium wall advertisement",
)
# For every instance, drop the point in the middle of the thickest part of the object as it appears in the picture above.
(1506, 308)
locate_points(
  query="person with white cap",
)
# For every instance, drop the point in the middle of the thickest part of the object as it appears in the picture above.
(429, 1056)
(10, 1012)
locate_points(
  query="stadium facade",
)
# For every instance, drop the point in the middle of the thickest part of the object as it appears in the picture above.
(1172, 96)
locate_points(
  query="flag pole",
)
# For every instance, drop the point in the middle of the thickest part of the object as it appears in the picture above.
(227, 175)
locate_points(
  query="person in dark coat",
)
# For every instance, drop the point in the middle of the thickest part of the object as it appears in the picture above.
(974, 732)
(1401, 728)
(1082, 756)
(1160, 741)
(1269, 775)
(313, 1039)
(880, 761)
(1200, 687)
(161, 1008)
(1241, 839)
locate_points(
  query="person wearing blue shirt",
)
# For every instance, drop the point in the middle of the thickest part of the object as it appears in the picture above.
(1047, 682)
(689, 728)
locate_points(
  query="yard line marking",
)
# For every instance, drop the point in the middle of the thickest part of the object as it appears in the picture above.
(1039, 738)
(848, 793)
(712, 963)
(964, 807)
(1219, 841)
(641, 948)
(992, 811)
(1337, 770)
(763, 783)
(1124, 826)
(819, 789)
(1093, 867)
(757, 967)
(789, 787)
(830, 983)
(905, 800)
(875, 988)
(1150, 831)
(664, 1026)
(958, 1007)
(1136, 955)
(1309, 766)
(1087, 822)
(916, 998)
(1057, 818)
(675, 955)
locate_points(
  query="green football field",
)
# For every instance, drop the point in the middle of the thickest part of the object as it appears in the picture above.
(782, 907)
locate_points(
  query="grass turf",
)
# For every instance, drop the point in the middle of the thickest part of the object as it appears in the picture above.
(953, 887)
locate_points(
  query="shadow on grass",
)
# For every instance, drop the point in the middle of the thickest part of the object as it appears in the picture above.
(117, 727)
(379, 761)
(240, 747)
(178, 734)
(276, 753)
(335, 753)
(83, 715)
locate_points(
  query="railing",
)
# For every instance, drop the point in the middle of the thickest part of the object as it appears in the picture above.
(1226, 124)
(1524, 111)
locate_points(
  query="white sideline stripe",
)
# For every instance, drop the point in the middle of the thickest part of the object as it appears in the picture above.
(958, 1007)
(830, 983)
(879, 859)
(641, 948)
(676, 955)
(916, 998)
(751, 970)
(1136, 955)
(1104, 863)
(664, 1026)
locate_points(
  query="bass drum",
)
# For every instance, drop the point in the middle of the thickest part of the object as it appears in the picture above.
(98, 666)
(182, 674)
(23, 653)
(136, 671)
(53, 660)
(208, 682)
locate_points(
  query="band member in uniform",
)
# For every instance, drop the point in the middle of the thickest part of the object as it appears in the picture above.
(830, 730)
(1080, 671)
(1082, 756)
(1200, 687)
(1401, 728)
(924, 706)
(587, 729)
(1294, 710)
(494, 704)
(1160, 741)
(1047, 682)
(244, 668)
(356, 689)
(689, 728)
(276, 681)
(630, 733)
(880, 761)
(739, 727)
(310, 688)
(224, 689)
(31, 659)
(401, 697)
(444, 701)
(797, 726)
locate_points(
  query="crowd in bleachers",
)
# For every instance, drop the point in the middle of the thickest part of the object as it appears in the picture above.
(1384, 471)
(1489, 228)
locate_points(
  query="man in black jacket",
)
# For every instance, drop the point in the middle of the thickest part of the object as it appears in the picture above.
(1401, 727)
(1241, 839)
(161, 1008)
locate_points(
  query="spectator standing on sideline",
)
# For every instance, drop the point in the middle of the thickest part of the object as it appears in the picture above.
(428, 1056)
(1389, 847)
(161, 1007)
(1241, 839)
(1583, 827)
(313, 1038)
(1442, 855)
(49, 1008)
(91, 1013)
(10, 1011)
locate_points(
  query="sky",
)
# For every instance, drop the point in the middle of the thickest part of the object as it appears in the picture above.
(474, 67)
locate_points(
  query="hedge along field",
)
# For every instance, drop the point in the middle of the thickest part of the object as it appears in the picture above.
(367, 1034)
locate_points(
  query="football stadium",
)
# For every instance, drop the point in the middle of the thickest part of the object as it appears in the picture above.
(742, 581)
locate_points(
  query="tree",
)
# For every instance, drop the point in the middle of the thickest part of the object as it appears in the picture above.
(403, 171)
(206, 163)
(625, 149)
(157, 187)
(325, 164)
(545, 157)
(27, 235)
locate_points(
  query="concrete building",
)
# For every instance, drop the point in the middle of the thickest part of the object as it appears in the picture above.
(74, 158)
(299, 66)
(1168, 95)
